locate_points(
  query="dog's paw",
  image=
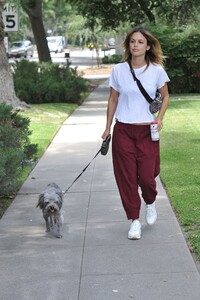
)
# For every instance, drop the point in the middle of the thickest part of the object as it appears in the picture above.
(59, 236)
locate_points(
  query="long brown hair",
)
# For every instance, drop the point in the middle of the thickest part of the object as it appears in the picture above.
(154, 54)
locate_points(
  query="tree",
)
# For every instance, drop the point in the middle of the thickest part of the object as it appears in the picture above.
(56, 15)
(179, 12)
(111, 13)
(33, 8)
(7, 91)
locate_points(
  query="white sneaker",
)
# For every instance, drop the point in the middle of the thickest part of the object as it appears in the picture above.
(151, 214)
(135, 230)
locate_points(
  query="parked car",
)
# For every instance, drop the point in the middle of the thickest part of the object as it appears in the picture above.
(21, 49)
(55, 43)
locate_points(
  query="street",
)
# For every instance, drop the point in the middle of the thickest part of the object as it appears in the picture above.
(78, 58)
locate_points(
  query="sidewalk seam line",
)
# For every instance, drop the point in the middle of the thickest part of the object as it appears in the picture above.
(86, 222)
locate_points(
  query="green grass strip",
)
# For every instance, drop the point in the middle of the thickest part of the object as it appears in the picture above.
(45, 121)
(180, 163)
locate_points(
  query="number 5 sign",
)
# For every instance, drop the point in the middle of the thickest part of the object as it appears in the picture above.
(10, 18)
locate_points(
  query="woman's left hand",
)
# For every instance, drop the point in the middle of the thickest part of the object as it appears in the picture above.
(160, 124)
(165, 97)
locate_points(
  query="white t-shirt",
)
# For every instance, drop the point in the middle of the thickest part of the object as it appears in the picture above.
(132, 105)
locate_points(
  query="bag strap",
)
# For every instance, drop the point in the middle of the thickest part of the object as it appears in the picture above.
(142, 90)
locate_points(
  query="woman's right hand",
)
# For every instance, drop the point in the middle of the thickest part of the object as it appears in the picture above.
(105, 134)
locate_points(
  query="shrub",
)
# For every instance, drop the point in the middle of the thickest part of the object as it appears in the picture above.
(181, 48)
(113, 59)
(183, 63)
(48, 83)
(15, 149)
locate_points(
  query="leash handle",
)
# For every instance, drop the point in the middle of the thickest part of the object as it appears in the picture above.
(105, 145)
(81, 173)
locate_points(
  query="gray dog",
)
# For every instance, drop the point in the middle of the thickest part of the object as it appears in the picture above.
(50, 201)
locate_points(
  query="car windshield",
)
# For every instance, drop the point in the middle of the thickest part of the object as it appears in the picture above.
(52, 41)
(17, 44)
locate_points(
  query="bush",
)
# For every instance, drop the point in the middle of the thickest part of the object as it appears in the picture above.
(15, 149)
(48, 83)
(181, 48)
(113, 59)
(183, 63)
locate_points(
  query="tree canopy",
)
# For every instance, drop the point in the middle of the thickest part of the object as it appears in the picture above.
(111, 13)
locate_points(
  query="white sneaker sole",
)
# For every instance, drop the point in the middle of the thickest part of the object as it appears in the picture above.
(134, 237)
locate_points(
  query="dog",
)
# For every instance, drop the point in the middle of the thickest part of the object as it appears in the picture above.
(50, 201)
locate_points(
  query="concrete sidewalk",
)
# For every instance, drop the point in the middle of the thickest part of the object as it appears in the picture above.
(94, 259)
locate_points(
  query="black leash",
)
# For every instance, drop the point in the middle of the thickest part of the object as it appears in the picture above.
(81, 173)
(104, 149)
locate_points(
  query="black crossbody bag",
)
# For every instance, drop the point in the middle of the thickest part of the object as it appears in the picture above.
(154, 104)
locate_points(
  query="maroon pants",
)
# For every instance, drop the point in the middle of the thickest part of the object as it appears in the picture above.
(136, 162)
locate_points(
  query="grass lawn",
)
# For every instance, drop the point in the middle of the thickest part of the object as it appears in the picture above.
(180, 164)
(46, 119)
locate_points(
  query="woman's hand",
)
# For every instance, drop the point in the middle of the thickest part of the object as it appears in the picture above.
(165, 96)
(160, 124)
(105, 134)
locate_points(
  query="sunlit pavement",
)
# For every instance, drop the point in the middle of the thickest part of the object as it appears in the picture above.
(77, 58)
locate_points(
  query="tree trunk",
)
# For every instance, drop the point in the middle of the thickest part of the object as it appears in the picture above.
(7, 91)
(34, 11)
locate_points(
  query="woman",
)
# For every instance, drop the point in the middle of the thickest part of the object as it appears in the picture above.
(136, 158)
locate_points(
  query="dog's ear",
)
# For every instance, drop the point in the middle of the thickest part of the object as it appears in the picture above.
(41, 201)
